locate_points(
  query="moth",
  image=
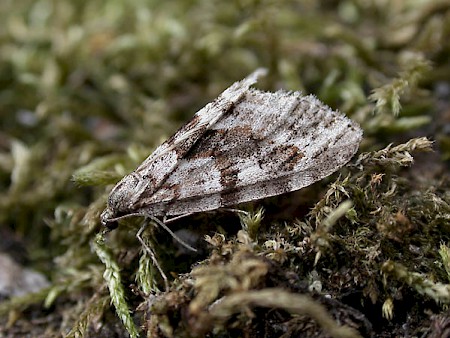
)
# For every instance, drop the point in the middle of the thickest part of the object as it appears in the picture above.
(245, 145)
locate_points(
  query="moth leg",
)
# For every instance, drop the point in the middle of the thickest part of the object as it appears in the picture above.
(235, 211)
(175, 237)
(151, 253)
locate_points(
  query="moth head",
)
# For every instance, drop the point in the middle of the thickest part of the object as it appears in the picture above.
(107, 218)
(119, 201)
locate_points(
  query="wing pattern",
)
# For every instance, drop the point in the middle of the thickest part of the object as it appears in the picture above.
(244, 146)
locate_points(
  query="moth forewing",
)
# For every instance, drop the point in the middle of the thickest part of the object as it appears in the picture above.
(245, 145)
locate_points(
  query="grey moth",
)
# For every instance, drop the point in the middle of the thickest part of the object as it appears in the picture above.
(245, 145)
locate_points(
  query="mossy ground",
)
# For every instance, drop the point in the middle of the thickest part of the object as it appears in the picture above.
(89, 88)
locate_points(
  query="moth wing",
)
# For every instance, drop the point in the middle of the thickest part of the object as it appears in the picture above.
(268, 144)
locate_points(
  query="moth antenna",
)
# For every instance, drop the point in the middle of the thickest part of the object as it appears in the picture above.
(118, 218)
(178, 239)
(170, 220)
(151, 254)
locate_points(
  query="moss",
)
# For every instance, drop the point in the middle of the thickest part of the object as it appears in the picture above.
(89, 89)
